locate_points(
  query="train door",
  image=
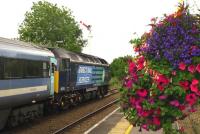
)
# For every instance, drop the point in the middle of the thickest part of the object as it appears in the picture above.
(67, 72)
(53, 69)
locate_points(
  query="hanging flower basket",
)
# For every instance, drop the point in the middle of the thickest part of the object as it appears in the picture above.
(163, 81)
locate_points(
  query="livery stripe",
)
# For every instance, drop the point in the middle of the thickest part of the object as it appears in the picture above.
(22, 83)
(19, 91)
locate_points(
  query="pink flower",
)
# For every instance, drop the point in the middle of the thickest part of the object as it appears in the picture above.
(140, 60)
(182, 66)
(156, 121)
(151, 100)
(138, 106)
(144, 113)
(145, 126)
(157, 111)
(161, 81)
(129, 84)
(132, 67)
(192, 110)
(132, 101)
(140, 66)
(175, 103)
(198, 68)
(136, 49)
(173, 73)
(184, 84)
(191, 98)
(135, 76)
(161, 88)
(162, 97)
(181, 107)
(142, 92)
(195, 82)
(194, 88)
(140, 63)
(192, 68)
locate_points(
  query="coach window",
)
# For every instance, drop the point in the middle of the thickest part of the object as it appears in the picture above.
(36, 69)
(45, 69)
(13, 68)
(1, 68)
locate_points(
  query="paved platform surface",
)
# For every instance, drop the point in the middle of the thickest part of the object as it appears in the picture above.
(115, 123)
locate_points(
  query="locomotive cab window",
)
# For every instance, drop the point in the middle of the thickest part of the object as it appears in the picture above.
(64, 64)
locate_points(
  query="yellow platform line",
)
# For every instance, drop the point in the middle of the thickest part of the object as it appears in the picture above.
(128, 131)
(122, 127)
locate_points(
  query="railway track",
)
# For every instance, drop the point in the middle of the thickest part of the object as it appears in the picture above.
(66, 127)
(52, 123)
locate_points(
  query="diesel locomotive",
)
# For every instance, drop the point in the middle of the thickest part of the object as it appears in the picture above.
(33, 79)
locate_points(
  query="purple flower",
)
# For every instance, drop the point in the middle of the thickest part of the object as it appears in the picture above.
(173, 42)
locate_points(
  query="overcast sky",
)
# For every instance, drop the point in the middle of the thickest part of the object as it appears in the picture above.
(113, 21)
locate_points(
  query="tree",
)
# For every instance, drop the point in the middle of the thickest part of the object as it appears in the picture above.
(47, 24)
(118, 67)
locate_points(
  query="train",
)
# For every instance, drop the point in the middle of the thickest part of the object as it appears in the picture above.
(34, 79)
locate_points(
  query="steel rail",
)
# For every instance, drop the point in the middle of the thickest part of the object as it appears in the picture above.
(62, 130)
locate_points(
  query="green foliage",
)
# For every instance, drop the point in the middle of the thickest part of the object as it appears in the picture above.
(115, 83)
(51, 26)
(119, 67)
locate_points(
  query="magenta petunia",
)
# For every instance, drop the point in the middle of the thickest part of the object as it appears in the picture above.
(144, 113)
(156, 121)
(192, 68)
(181, 107)
(192, 110)
(129, 83)
(173, 73)
(175, 103)
(142, 92)
(132, 101)
(198, 68)
(161, 81)
(140, 63)
(191, 98)
(145, 126)
(184, 84)
(132, 67)
(195, 82)
(157, 111)
(194, 88)
(162, 97)
(182, 66)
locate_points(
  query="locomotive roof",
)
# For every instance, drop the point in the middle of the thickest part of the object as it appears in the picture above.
(78, 57)
(19, 49)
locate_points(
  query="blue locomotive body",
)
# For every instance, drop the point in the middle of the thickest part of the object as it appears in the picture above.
(80, 76)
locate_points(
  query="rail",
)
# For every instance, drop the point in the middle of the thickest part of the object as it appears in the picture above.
(62, 130)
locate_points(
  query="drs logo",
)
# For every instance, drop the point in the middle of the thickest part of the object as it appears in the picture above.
(84, 75)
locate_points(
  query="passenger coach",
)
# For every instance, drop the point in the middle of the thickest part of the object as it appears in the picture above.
(26, 78)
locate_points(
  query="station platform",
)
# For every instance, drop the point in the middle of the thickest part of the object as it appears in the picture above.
(115, 123)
